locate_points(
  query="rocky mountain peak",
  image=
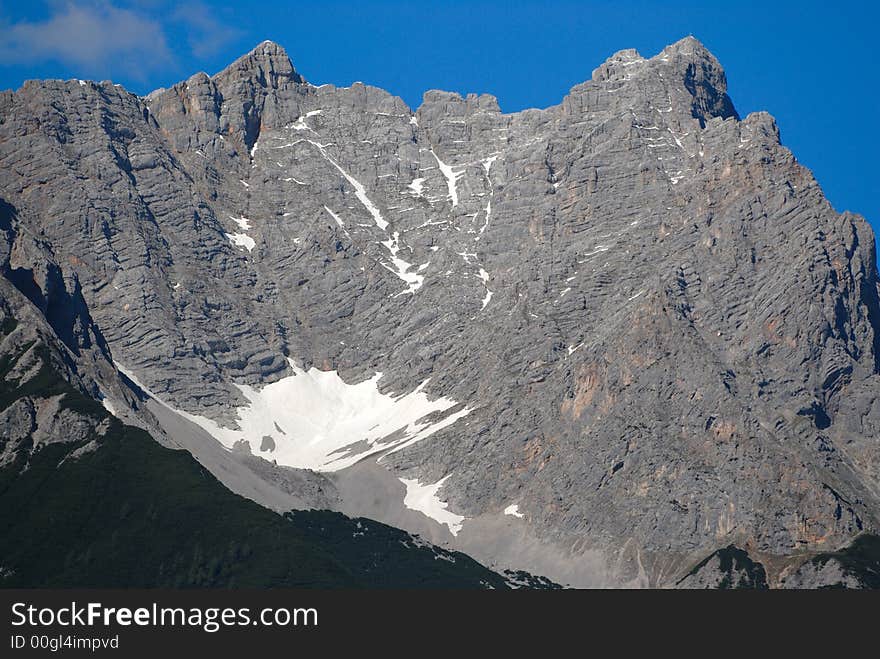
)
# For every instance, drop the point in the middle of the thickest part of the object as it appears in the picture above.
(235, 103)
(616, 66)
(268, 64)
(703, 76)
(689, 46)
(685, 70)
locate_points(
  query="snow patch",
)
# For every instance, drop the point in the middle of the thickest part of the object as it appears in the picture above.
(325, 423)
(487, 299)
(513, 510)
(401, 268)
(424, 499)
(244, 223)
(300, 123)
(241, 240)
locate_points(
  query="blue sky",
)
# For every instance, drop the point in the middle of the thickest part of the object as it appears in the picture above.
(813, 65)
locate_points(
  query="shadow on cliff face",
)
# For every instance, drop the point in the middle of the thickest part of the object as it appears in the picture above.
(60, 301)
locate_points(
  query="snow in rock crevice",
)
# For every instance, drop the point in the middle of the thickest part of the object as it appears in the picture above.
(359, 190)
(487, 165)
(335, 217)
(451, 177)
(484, 276)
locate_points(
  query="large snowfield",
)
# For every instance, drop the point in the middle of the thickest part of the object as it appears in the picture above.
(318, 421)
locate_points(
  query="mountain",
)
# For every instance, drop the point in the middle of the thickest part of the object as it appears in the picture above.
(88, 501)
(624, 340)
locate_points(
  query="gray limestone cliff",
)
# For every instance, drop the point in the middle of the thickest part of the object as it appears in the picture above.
(659, 338)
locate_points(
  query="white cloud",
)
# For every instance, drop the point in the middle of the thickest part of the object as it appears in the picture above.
(95, 37)
(205, 33)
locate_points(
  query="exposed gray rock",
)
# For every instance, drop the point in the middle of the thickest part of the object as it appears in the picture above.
(812, 575)
(666, 338)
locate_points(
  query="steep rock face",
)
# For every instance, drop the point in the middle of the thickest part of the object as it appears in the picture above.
(658, 336)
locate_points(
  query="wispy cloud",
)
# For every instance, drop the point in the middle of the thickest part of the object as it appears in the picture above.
(206, 34)
(95, 37)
